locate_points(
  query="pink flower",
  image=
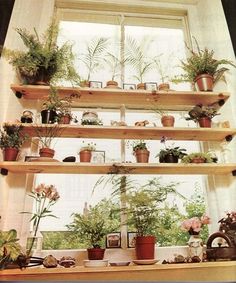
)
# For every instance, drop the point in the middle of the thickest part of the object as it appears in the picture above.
(205, 219)
(194, 224)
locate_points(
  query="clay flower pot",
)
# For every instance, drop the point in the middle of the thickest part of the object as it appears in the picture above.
(95, 253)
(198, 160)
(10, 153)
(204, 82)
(141, 86)
(85, 155)
(142, 155)
(145, 247)
(164, 86)
(46, 152)
(205, 122)
(64, 119)
(112, 84)
(168, 121)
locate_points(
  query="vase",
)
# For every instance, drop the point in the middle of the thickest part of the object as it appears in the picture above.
(195, 247)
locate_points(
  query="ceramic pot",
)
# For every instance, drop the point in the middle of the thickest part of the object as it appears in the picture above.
(112, 84)
(142, 155)
(48, 116)
(95, 253)
(85, 155)
(195, 247)
(204, 122)
(64, 119)
(46, 152)
(204, 82)
(198, 160)
(145, 247)
(164, 87)
(141, 86)
(10, 153)
(168, 121)
(169, 158)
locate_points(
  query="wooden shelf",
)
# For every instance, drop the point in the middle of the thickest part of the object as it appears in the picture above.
(133, 99)
(118, 168)
(132, 132)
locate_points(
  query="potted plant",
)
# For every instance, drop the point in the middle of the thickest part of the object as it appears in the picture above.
(44, 61)
(92, 226)
(93, 59)
(167, 120)
(141, 151)
(170, 154)
(136, 57)
(202, 115)
(64, 114)
(11, 140)
(10, 249)
(85, 152)
(45, 135)
(199, 157)
(203, 69)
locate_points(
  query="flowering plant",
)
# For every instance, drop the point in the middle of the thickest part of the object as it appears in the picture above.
(228, 223)
(45, 196)
(89, 146)
(194, 224)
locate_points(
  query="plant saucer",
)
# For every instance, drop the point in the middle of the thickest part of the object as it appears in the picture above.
(145, 261)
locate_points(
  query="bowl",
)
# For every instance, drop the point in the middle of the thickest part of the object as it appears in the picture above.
(95, 263)
(120, 263)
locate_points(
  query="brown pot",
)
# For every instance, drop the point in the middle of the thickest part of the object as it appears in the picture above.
(141, 86)
(46, 152)
(198, 160)
(164, 87)
(205, 122)
(10, 154)
(85, 155)
(145, 247)
(204, 82)
(95, 253)
(84, 84)
(112, 84)
(168, 121)
(142, 155)
(64, 119)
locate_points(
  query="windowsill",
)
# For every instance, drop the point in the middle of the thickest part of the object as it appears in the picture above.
(206, 271)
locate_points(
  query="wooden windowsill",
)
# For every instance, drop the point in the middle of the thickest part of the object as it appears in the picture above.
(206, 271)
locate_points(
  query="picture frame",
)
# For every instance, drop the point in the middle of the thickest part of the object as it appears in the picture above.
(98, 156)
(131, 239)
(151, 86)
(129, 86)
(113, 240)
(95, 84)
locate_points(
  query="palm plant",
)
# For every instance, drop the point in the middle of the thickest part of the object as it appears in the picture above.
(93, 58)
(136, 56)
(44, 61)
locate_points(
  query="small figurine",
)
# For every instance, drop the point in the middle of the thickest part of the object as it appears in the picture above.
(27, 117)
(118, 123)
(142, 123)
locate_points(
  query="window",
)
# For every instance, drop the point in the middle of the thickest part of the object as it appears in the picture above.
(166, 37)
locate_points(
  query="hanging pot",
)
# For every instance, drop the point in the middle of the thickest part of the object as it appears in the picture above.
(95, 253)
(168, 121)
(142, 155)
(10, 153)
(46, 152)
(145, 247)
(204, 82)
(85, 155)
(205, 122)
(48, 116)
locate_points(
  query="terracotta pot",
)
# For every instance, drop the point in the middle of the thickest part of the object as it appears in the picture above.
(145, 247)
(84, 84)
(142, 155)
(198, 160)
(64, 119)
(141, 86)
(204, 82)
(48, 116)
(10, 154)
(205, 122)
(169, 158)
(164, 87)
(46, 152)
(112, 84)
(168, 121)
(95, 253)
(85, 156)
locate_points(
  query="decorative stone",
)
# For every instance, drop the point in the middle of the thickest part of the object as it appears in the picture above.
(50, 261)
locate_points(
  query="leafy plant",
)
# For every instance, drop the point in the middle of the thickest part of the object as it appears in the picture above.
(10, 249)
(89, 146)
(141, 144)
(136, 57)
(206, 156)
(12, 136)
(53, 102)
(45, 197)
(199, 111)
(44, 60)
(93, 58)
(202, 61)
(92, 226)
(170, 150)
(46, 133)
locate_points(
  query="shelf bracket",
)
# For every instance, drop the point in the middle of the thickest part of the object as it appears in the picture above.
(18, 94)
(4, 171)
(234, 173)
(229, 138)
